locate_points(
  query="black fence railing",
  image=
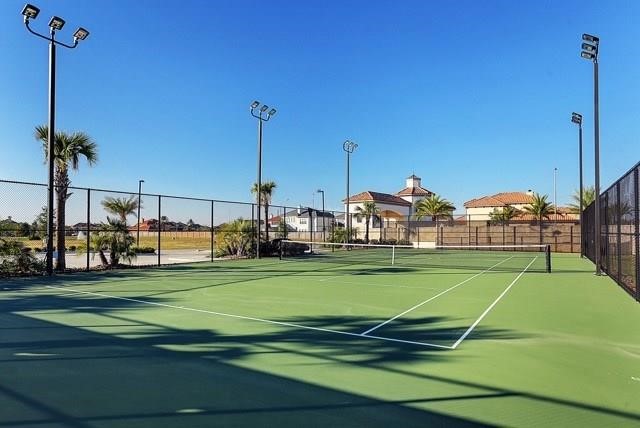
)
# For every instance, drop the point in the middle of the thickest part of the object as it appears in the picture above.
(620, 231)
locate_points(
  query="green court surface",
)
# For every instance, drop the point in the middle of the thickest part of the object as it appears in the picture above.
(323, 342)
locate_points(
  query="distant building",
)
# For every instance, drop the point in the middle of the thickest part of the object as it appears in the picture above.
(392, 207)
(304, 220)
(479, 209)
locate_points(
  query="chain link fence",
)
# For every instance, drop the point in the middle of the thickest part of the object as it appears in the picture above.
(104, 228)
(620, 231)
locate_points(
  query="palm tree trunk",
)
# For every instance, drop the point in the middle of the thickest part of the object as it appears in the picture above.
(540, 228)
(103, 258)
(366, 229)
(62, 183)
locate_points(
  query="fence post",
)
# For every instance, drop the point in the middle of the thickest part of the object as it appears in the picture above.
(159, 226)
(88, 228)
(514, 235)
(571, 239)
(476, 237)
(636, 198)
(212, 237)
(618, 213)
(605, 245)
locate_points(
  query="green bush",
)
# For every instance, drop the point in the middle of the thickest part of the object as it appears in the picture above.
(144, 250)
(16, 259)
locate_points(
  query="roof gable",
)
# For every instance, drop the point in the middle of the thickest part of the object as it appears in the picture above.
(377, 197)
(500, 200)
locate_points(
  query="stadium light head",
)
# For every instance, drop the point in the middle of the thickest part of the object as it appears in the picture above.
(272, 112)
(80, 34)
(56, 23)
(589, 48)
(589, 38)
(255, 104)
(576, 118)
(264, 108)
(319, 191)
(30, 12)
(587, 55)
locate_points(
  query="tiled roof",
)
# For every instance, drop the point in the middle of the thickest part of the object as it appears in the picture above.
(414, 191)
(378, 197)
(500, 200)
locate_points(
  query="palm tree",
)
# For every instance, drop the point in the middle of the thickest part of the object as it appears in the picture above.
(540, 209)
(266, 192)
(122, 207)
(68, 150)
(114, 237)
(588, 196)
(367, 210)
(504, 215)
(234, 239)
(436, 207)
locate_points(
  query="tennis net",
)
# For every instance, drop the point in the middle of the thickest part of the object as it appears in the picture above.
(535, 258)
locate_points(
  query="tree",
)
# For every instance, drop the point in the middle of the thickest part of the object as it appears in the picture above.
(121, 207)
(504, 215)
(234, 239)
(540, 209)
(367, 210)
(68, 151)
(436, 207)
(266, 192)
(39, 225)
(114, 237)
(588, 196)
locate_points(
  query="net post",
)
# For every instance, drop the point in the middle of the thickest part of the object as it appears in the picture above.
(280, 244)
(393, 255)
(547, 256)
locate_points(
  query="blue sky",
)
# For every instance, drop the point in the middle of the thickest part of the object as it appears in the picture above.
(475, 97)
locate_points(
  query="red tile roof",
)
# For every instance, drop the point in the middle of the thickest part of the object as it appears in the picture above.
(378, 197)
(414, 191)
(500, 200)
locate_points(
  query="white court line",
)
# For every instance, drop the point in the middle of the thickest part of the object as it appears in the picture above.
(432, 298)
(287, 324)
(470, 329)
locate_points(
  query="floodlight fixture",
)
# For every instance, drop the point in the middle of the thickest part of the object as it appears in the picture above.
(30, 12)
(272, 112)
(80, 34)
(56, 23)
(587, 55)
(576, 118)
(255, 104)
(589, 48)
(264, 108)
(589, 38)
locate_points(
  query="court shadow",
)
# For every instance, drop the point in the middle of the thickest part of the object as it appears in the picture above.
(95, 361)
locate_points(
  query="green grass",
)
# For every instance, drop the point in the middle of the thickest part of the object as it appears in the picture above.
(559, 349)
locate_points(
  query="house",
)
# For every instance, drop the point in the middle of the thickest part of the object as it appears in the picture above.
(479, 209)
(304, 219)
(392, 207)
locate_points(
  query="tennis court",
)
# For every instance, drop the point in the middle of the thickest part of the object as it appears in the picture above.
(329, 338)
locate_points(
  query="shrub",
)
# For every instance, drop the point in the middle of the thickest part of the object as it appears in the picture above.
(144, 250)
(16, 259)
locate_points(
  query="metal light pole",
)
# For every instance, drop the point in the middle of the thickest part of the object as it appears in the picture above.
(348, 146)
(577, 119)
(590, 49)
(555, 194)
(263, 116)
(55, 24)
(324, 237)
(139, 202)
